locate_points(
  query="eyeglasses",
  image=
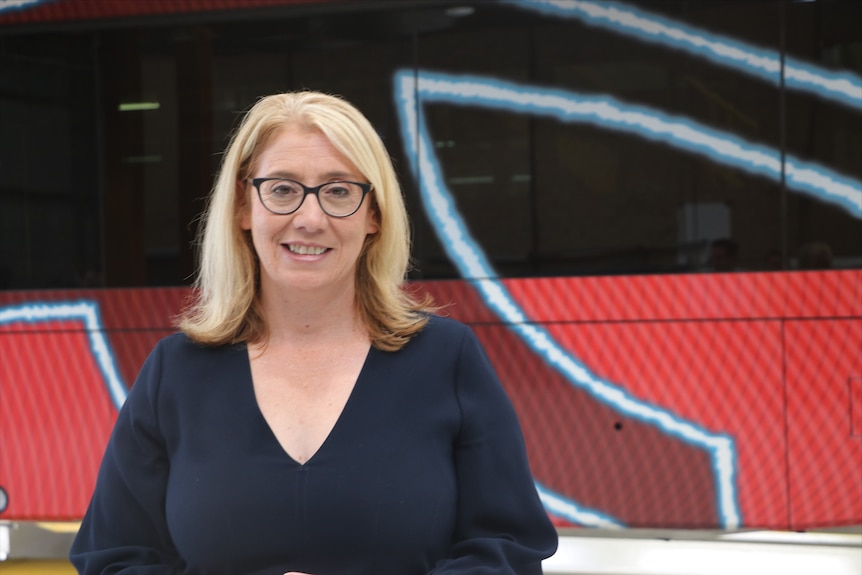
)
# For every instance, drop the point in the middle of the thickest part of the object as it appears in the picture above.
(337, 199)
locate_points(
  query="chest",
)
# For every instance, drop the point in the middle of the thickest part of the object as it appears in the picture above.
(302, 393)
(381, 490)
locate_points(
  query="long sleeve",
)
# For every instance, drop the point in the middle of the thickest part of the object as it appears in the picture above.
(501, 526)
(124, 530)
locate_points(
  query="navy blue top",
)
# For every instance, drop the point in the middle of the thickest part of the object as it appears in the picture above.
(424, 472)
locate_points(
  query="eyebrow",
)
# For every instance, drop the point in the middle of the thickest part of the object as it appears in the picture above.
(329, 176)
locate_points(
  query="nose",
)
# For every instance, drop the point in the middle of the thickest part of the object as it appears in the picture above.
(309, 215)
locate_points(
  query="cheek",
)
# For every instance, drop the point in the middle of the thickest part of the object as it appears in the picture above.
(255, 219)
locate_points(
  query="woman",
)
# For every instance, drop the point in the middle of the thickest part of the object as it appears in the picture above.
(311, 417)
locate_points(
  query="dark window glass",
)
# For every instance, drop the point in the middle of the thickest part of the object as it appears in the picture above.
(50, 217)
(112, 134)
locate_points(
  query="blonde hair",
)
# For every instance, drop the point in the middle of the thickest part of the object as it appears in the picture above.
(226, 305)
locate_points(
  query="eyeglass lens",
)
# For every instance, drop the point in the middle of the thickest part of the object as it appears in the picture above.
(336, 198)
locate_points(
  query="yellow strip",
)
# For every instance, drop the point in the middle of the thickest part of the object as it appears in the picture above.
(60, 526)
(21, 566)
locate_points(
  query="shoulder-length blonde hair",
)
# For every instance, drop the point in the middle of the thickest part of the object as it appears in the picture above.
(226, 304)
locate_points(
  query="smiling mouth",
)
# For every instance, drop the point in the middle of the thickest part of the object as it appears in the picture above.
(306, 250)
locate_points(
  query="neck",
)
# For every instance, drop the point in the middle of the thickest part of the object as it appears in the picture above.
(307, 317)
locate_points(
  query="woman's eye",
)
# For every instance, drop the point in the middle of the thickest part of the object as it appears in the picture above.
(283, 189)
(338, 191)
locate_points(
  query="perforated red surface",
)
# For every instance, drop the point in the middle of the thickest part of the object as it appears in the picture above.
(37, 11)
(771, 362)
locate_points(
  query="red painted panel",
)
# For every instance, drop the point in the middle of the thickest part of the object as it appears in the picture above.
(55, 417)
(689, 297)
(725, 376)
(55, 409)
(767, 359)
(77, 10)
(825, 474)
(855, 384)
(587, 451)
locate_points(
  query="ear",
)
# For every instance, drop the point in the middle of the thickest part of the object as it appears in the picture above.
(372, 224)
(243, 205)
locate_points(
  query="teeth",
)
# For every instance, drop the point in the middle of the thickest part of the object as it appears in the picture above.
(306, 250)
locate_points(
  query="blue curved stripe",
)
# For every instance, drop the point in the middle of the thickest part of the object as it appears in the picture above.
(9, 5)
(412, 91)
(562, 507)
(679, 132)
(87, 312)
(841, 87)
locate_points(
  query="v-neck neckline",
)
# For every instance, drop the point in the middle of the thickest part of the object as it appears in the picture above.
(272, 438)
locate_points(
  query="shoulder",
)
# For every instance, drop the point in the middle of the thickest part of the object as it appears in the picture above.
(178, 367)
(177, 355)
(444, 339)
(441, 327)
(179, 346)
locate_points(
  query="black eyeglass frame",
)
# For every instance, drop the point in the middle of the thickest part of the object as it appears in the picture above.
(256, 182)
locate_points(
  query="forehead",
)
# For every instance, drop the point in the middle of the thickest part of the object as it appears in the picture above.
(297, 150)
